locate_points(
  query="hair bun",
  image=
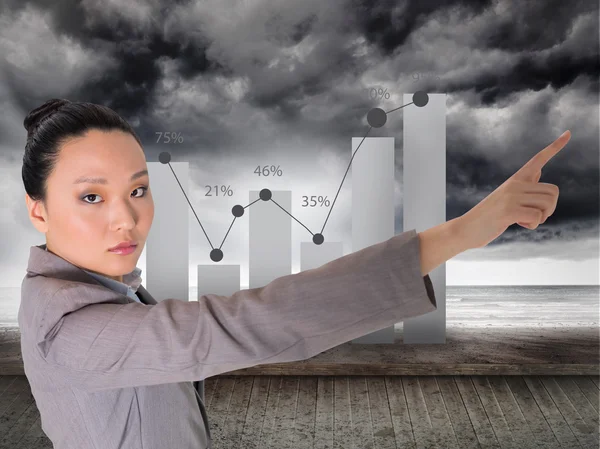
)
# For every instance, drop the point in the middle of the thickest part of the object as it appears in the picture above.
(37, 115)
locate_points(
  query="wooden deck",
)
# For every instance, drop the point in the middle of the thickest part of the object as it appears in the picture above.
(361, 412)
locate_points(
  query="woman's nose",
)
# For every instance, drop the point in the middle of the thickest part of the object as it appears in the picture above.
(122, 215)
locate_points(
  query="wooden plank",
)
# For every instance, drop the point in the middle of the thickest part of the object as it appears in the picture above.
(459, 417)
(578, 399)
(494, 412)
(596, 380)
(32, 436)
(271, 411)
(481, 424)
(586, 433)
(440, 421)
(17, 431)
(219, 408)
(342, 429)
(5, 382)
(210, 385)
(42, 443)
(256, 413)
(362, 429)
(517, 423)
(381, 419)
(324, 413)
(417, 409)
(304, 424)
(233, 426)
(532, 413)
(18, 406)
(400, 416)
(286, 414)
(589, 389)
(557, 423)
(12, 392)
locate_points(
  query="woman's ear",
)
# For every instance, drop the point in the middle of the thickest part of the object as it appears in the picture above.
(37, 214)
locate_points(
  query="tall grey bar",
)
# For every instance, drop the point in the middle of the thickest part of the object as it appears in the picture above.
(270, 236)
(373, 204)
(424, 200)
(167, 245)
(313, 256)
(218, 279)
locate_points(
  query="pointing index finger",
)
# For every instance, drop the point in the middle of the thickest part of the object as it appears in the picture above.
(539, 160)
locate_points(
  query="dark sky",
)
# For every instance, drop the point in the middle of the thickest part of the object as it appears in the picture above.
(287, 83)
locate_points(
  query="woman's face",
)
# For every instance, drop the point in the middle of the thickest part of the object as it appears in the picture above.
(83, 218)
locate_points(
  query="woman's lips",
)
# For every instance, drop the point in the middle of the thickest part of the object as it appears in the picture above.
(124, 251)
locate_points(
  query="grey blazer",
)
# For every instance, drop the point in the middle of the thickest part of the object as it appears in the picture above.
(109, 372)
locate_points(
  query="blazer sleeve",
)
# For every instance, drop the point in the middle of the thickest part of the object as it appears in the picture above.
(294, 317)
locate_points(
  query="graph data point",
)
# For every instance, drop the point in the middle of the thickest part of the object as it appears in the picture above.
(376, 117)
(420, 98)
(265, 194)
(164, 157)
(216, 255)
(318, 239)
(237, 210)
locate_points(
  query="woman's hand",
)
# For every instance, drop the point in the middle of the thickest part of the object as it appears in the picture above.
(520, 199)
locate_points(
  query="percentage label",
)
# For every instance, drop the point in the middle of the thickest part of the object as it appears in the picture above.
(315, 201)
(169, 137)
(268, 170)
(214, 191)
(379, 93)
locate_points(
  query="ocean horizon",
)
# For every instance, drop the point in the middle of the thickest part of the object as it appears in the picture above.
(466, 306)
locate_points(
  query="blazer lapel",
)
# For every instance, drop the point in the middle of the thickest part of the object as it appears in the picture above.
(144, 296)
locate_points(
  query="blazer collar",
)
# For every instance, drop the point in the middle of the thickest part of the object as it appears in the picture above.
(46, 263)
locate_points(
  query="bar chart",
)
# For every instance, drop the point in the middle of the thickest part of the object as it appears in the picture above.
(270, 216)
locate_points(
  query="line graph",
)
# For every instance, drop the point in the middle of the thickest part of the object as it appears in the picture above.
(376, 118)
(373, 212)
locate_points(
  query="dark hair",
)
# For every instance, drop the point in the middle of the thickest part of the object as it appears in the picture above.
(52, 124)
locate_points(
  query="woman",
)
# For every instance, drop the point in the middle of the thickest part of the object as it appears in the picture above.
(110, 367)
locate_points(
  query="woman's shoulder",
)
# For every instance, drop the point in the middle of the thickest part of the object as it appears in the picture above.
(37, 292)
(45, 301)
(36, 289)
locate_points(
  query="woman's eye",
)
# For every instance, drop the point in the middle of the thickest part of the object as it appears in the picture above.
(91, 195)
(143, 189)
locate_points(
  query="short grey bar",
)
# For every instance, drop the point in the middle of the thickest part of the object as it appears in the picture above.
(218, 279)
(314, 256)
